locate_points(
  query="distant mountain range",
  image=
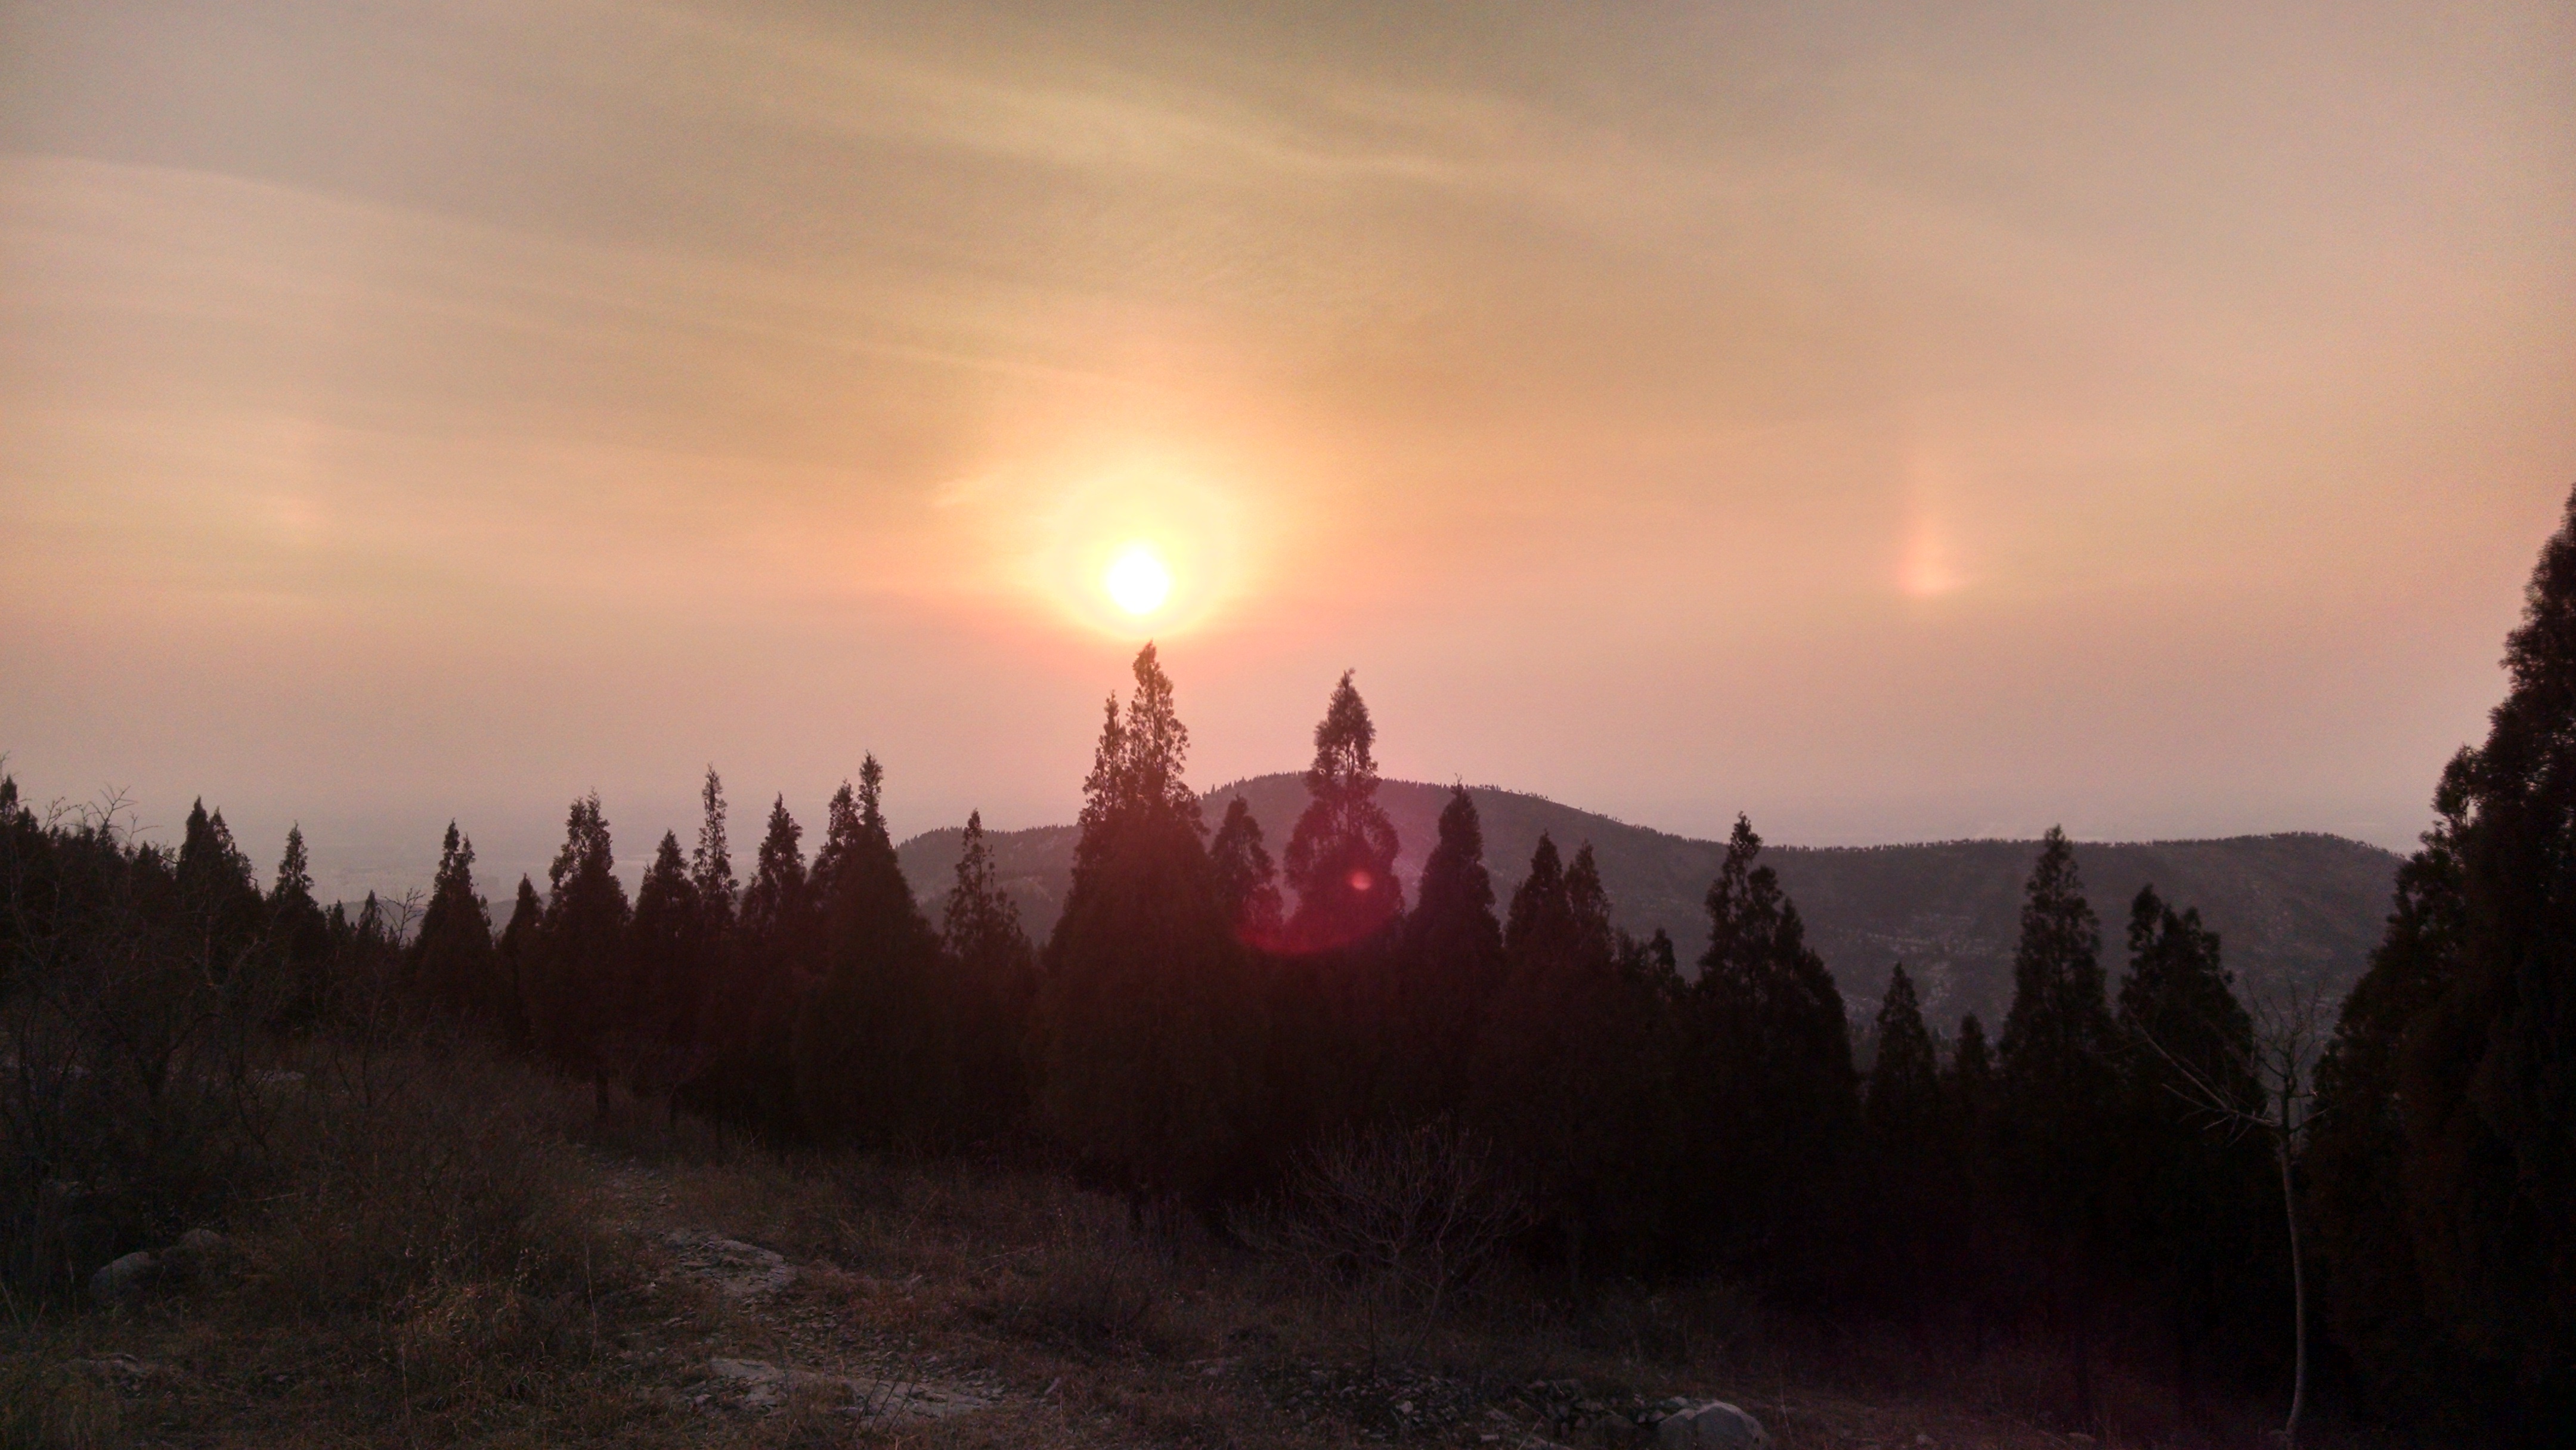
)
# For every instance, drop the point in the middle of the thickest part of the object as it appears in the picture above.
(2289, 909)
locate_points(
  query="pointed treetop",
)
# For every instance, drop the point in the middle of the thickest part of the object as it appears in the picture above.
(1158, 744)
(455, 865)
(1344, 762)
(586, 855)
(872, 797)
(294, 871)
(711, 865)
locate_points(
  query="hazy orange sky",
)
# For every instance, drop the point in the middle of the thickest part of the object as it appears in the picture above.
(1895, 422)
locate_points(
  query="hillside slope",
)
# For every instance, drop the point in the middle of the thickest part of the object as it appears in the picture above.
(2300, 909)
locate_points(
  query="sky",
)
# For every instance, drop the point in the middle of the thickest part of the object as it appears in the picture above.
(1896, 423)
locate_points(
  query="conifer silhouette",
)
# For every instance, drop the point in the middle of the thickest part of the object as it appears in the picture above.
(2058, 1100)
(1247, 884)
(1341, 857)
(585, 988)
(1139, 1024)
(874, 1045)
(994, 982)
(1448, 969)
(454, 966)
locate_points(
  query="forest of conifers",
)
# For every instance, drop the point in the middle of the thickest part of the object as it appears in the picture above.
(2134, 1161)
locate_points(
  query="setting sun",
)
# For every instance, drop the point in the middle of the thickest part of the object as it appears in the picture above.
(1137, 581)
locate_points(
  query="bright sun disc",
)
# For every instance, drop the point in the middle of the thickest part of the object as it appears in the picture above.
(1137, 580)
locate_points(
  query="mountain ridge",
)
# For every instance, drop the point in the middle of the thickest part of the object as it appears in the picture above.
(2293, 909)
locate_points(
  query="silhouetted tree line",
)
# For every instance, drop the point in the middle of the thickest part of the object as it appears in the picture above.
(2147, 1164)
(152, 1007)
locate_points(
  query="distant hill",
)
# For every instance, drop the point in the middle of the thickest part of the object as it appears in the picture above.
(2289, 909)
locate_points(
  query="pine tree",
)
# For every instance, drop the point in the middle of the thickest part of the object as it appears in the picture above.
(778, 902)
(2191, 1213)
(2491, 1074)
(2059, 1098)
(776, 964)
(1903, 1108)
(1768, 1078)
(2473, 1000)
(996, 980)
(520, 966)
(296, 924)
(1912, 1155)
(218, 894)
(294, 886)
(1139, 1020)
(1555, 1065)
(454, 967)
(1448, 969)
(670, 942)
(585, 989)
(874, 1049)
(2356, 1162)
(1341, 856)
(711, 864)
(841, 833)
(1246, 882)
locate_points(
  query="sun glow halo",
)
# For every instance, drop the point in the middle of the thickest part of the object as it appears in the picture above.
(1136, 580)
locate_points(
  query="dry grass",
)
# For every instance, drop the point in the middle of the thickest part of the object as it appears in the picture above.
(466, 1258)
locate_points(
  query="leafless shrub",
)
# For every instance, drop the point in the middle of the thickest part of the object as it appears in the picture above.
(1098, 1286)
(1400, 1217)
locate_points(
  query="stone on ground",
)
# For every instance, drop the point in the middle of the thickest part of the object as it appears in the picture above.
(1711, 1425)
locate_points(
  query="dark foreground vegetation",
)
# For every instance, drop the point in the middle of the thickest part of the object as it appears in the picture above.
(1447, 1121)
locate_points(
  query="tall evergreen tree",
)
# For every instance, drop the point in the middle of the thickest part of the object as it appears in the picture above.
(454, 966)
(750, 1018)
(2489, 1074)
(1448, 969)
(670, 944)
(2059, 1099)
(1341, 857)
(777, 904)
(294, 888)
(218, 894)
(1903, 1107)
(2191, 1212)
(1247, 884)
(1556, 1062)
(711, 864)
(303, 936)
(585, 990)
(996, 981)
(841, 843)
(2356, 1162)
(2464, 1034)
(1769, 1081)
(1912, 1155)
(874, 1050)
(520, 952)
(1139, 1010)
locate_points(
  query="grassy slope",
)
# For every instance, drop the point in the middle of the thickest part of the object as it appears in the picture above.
(2291, 908)
(503, 1272)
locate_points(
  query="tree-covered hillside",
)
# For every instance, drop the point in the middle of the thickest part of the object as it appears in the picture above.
(2299, 908)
